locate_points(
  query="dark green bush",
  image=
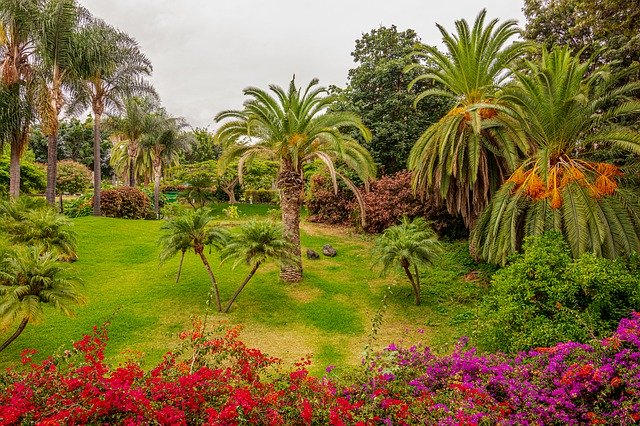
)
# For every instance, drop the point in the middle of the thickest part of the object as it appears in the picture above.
(73, 177)
(80, 207)
(544, 297)
(262, 196)
(33, 178)
(125, 202)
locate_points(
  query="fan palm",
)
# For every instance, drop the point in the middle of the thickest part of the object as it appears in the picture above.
(255, 244)
(465, 156)
(563, 105)
(110, 68)
(28, 280)
(17, 31)
(293, 127)
(409, 244)
(193, 230)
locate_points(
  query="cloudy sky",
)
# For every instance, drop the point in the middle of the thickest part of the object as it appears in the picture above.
(205, 52)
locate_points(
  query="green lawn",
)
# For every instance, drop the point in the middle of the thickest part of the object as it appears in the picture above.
(328, 315)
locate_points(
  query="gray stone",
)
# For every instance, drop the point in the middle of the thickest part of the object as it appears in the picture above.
(329, 251)
(312, 254)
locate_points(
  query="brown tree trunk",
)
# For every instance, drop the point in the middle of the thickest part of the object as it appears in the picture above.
(132, 150)
(214, 285)
(14, 172)
(52, 168)
(244, 283)
(228, 189)
(415, 286)
(97, 170)
(180, 266)
(157, 175)
(13, 337)
(290, 185)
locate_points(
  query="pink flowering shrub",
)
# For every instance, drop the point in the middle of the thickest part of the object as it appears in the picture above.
(217, 380)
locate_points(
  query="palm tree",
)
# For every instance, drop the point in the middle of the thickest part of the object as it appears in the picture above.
(29, 279)
(409, 244)
(136, 120)
(193, 230)
(17, 29)
(255, 244)
(564, 106)
(161, 146)
(465, 156)
(110, 68)
(293, 127)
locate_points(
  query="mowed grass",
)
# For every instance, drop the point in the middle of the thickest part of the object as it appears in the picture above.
(327, 316)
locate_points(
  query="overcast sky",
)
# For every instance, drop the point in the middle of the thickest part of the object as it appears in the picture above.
(205, 52)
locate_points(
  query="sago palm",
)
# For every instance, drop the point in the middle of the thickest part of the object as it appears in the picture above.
(29, 279)
(293, 128)
(409, 245)
(193, 230)
(256, 243)
(563, 106)
(465, 156)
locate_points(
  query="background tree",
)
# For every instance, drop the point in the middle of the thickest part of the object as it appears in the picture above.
(203, 147)
(256, 243)
(293, 127)
(28, 280)
(410, 244)
(377, 92)
(468, 153)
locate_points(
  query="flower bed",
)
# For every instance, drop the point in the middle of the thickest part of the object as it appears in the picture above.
(218, 380)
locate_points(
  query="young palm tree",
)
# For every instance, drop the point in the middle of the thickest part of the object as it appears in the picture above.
(29, 279)
(193, 230)
(563, 106)
(17, 32)
(110, 68)
(257, 243)
(293, 127)
(409, 244)
(465, 156)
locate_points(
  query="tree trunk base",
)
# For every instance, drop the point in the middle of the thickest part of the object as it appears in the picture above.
(291, 274)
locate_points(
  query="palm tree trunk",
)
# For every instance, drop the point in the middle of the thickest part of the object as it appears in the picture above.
(244, 283)
(290, 185)
(416, 289)
(214, 285)
(52, 168)
(13, 337)
(97, 170)
(14, 172)
(157, 175)
(180, 266)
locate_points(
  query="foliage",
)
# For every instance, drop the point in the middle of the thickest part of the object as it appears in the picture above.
(465, 157)
(264, 196)
(327, 206)
(79, 207)
(544, 297)
(561, 107)
(125, 202)
(376, 91)
(32, 177)
(217, 379)
(203, 148)
(73, 178)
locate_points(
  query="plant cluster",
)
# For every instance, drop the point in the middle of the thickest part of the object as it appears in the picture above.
(73, 177)
(216, 379)
(125, 202)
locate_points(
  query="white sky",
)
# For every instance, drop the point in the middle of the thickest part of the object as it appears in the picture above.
(205, 52)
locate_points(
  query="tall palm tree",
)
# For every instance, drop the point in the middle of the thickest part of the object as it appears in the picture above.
(135, 121)
(465, 156)
(17, 32)
(161, 146)
(256, 243)
(563, 106)
(410, 245)
(293, 127)
(193, 230)
(28, 280)
(110, 68)
(58, 22)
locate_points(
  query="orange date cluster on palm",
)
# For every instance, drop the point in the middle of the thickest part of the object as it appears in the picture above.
(485, 113)
(599, 178)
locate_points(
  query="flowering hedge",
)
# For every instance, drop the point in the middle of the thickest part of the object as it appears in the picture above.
(218, 380)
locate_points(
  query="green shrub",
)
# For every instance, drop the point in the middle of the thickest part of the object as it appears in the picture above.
(80, 207)
(544, 297)
(33, 178)
(262, 196)
(73, 177)
(125, 202)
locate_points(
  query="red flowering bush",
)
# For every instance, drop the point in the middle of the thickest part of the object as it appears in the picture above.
(216, 379)
(125, 202)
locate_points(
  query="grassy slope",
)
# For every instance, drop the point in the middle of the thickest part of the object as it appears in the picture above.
(328, 315)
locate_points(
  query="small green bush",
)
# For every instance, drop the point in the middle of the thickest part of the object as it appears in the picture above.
(73, 177)
(80, 207)
(262, 196)
(33, 178)
(544, 297)
(125, 202)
